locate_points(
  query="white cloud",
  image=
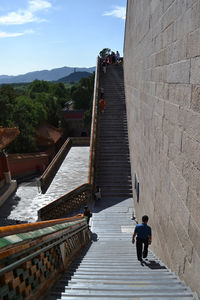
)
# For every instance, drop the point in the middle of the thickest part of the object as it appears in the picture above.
(36, 5)
(26, 16)
(14, 34)
(118, 12)
(6, 34)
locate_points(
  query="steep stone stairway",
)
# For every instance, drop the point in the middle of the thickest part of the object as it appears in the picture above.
(113, 171)
(109, 268)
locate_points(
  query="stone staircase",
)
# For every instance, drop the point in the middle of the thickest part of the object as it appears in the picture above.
(113, 171)
(108, 268)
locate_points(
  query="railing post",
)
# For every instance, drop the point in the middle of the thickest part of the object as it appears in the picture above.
(93, 136)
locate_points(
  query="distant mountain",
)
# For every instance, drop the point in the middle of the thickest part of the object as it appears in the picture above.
(48, 75)
(74, 77)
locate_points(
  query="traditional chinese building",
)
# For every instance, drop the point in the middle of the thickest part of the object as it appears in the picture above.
(7, 185)
(49, 139)
(74, 121)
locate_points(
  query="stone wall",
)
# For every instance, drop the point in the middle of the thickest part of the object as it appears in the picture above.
(162, 84)
(27, 164)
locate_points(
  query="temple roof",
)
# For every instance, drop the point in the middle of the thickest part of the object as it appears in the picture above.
(48, 134)
(7, 135)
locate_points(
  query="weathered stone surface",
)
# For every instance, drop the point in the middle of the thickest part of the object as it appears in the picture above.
(176, 51)
(191, 150)
(188, 20)
(178, 182)
(162, 63)
(180, 94)
(191, 268)
(171, 112)
(176, 156)
(178, 207)
(167, 4)
(168, 34)
(162, 90)
(193, 44)
(178, 72)
(191, 123)
(194, 234)
(195, 103)
(193, 205)
(191, 175)
(195, 70)
(160, 58)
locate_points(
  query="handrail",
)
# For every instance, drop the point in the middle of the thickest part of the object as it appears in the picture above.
(49, 173)
(21, 228)
(34, 264)
(66, 204)
(93, 135)
(28, 242)
(36, 253)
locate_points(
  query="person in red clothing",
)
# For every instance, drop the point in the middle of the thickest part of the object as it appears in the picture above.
(102, 104)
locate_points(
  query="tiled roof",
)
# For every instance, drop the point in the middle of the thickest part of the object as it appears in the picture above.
(7, 135)
(49, 133)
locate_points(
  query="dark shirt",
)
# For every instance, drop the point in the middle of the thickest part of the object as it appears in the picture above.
(87, 214)
(143, 231)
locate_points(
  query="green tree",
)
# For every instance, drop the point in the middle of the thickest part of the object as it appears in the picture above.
(104, 53)
(27, 116)
(87, 118)
(59, 90)
(38, 86)
(82, 93)
(7, 104)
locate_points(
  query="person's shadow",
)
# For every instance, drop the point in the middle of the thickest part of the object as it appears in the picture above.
(152, 264)
(94, 237)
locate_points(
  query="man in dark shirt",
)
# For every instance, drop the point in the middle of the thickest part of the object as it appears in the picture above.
(144, 236)
(87, 214)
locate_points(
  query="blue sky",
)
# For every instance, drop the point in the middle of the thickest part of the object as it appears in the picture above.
(47, 34)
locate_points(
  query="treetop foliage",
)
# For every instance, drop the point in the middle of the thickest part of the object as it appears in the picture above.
(38, 102)
(105, 52)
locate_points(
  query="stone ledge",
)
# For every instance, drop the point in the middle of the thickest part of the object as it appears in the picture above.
(7, 191)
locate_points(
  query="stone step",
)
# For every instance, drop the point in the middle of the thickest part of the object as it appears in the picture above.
(115, 168)
(115, 185)
(134, 287)
(124, 152)
(114, 160)
(114, 188)
(104, 156)
(110, 269)
(113, 194)
(117, 174)
(114, 141)
(125, 293)
(126, 297)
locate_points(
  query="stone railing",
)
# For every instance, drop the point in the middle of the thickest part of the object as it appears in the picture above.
(94, 128)
(73, 201)
(80, 141)
(33, 256)
(67, 204)
(48, 175)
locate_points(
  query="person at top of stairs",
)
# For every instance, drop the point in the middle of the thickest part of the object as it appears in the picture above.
(144, 236)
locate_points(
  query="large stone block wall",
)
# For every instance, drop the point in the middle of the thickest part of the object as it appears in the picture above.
(162, 85)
